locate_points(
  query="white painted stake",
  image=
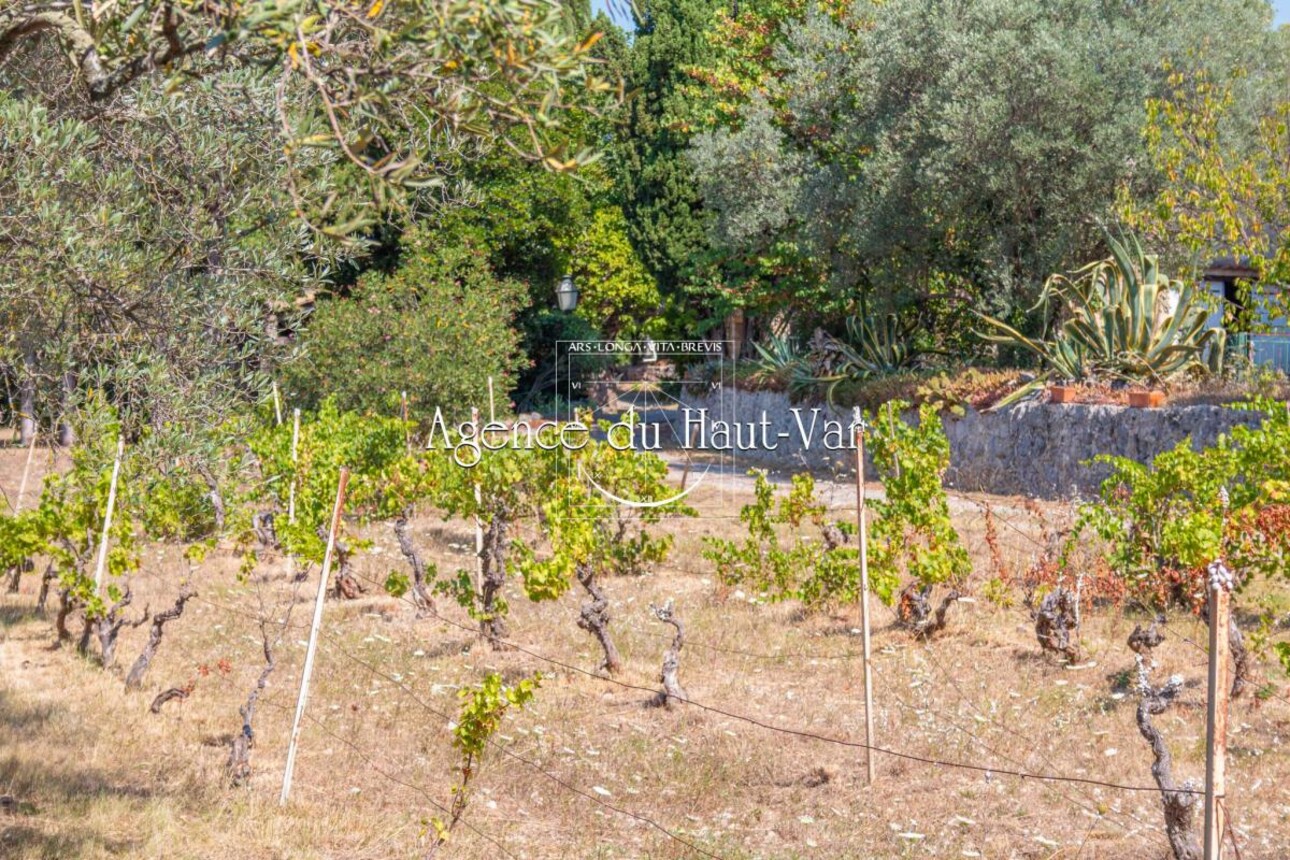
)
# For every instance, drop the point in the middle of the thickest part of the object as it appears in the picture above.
(295, 459)
(1220, 688)
(864, 596)
(277, 405)
(291, 492)
(26, 470)
(313, 638)
(407, 435)
(492, 407)
(479, 526)
(107, 517)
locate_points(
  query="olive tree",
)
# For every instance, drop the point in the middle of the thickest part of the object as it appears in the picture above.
(387, 87)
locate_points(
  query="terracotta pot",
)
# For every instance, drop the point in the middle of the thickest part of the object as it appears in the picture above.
(1061, 393)
(1146, 399)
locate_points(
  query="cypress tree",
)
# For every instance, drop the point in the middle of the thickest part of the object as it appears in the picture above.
(659, 192)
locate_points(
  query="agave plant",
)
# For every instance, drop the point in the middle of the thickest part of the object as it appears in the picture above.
(1124, 319)
(781, 358)
(874, 346)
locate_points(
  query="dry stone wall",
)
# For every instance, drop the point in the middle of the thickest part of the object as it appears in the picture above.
(1039, 449)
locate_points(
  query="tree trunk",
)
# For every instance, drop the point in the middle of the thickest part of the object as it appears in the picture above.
(217, 499)
(1179, 803)
(672, 693)
(108, 628)
(134, 679)
(594, 618)
(83, 644)
(347, 586)
(27, 401)
(66, 435)
(46, 578)
(16, 572)
(263, 528)
(420, 596)
(492, 623)
(1240, 658)
(239, 757)
(1242, 667)
(1057, 623)
(915, 610)
(67, 604)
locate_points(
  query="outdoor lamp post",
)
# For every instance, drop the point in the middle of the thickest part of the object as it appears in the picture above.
(566, 295)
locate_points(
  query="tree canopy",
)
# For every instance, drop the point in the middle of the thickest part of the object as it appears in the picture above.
(895, 148)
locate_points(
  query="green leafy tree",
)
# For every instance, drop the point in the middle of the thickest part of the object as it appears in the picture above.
(618, 295)
(658, 185)
(153, 260)
(385, 89)
(71, 514)
(382, 477)
(1168, 521)
(22, 538)
(1222, 154)
(486, 478)
(902, 146)
(437, 327)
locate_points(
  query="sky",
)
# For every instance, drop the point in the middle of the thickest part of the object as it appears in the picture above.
(1281, 9)
(619, 10)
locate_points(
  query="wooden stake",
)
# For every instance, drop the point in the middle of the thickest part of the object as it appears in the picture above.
(291, 492)
(313, 637)
(295, 459)
(407, 435)
(1220, 688)
(26, 470)
(107, 517)
(864, 595)
(492, 407)
(479, 526)
(277, 405)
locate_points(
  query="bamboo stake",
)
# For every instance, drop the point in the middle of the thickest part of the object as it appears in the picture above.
(479, 526)
(319, 600)
(864, 596)
(407, 435)
(107, 517)
(26, 470)
(277, 405)
(1220, 688)
(291, 492)
(295, 460)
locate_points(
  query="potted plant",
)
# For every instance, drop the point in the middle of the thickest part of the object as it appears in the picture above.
(1063, 392)
(1153, 399)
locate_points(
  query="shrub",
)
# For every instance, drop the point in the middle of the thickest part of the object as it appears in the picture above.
(618, 295)
(912, 533)
(596, 516)
(777, 560)
(374, 449)
(1170, 521)
(437, 327)
(1167, 520)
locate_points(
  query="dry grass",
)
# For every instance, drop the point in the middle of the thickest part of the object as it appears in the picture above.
(96, 775)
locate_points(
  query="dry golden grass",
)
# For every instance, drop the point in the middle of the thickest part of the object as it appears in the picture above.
(96, 775)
